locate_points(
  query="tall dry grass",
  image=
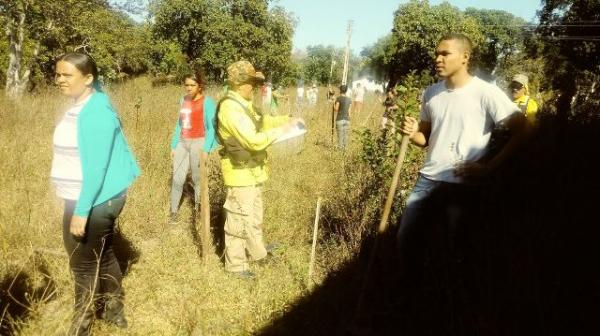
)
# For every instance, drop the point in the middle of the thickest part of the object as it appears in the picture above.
(169, 291)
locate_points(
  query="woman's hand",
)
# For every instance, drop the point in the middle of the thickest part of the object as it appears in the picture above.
(77, 227)
(172, 153)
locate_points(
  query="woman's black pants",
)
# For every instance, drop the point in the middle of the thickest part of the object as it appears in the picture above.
(95, 268)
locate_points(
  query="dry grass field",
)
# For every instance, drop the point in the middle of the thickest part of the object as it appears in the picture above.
(169, 290)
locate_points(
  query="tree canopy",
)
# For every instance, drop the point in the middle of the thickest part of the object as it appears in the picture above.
(570, 45)
(504, 38)
(215, 33)
(325, 64)
(498, 36)
(37, 32)
(416, 30)
(560, 54)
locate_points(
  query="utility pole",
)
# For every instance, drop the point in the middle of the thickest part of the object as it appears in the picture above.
(347, 54)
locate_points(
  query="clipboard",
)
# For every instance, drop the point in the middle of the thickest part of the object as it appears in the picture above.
(296, 131)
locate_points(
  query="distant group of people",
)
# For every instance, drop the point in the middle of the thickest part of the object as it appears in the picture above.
(311, 93)
(93, 165)
(272, 96)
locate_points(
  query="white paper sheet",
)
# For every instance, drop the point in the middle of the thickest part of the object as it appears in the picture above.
(295, 131)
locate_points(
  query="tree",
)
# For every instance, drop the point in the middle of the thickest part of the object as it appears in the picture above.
(378, 58)
(504, 38)
(417, 29)
(38, 31)
(215, 33)
(499, 40)
(28, 23)
(570, 30)
(317, 64)
(118, 45)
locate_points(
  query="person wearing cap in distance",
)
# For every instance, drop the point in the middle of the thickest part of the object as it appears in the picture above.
(312, 95)
(245, 136)
(519, 88)
(277, 97)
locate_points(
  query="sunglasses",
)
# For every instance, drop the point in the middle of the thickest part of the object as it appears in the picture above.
(515, 86)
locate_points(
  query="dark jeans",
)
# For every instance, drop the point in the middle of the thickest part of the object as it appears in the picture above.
(91, 258)
(343, 130)
(436, 204)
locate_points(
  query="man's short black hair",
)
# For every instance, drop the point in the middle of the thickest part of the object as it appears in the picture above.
(343, 88)
(464, 40)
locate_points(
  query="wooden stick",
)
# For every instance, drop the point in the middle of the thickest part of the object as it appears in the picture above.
(383, 224)
(204, 208)
(314, 244)
(332, 122)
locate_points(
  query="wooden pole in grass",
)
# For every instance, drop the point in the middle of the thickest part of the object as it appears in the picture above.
(314, 243)
(332, 122)
(204, 208)
(383, 225)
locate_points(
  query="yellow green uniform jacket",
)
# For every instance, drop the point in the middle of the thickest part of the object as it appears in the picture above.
(235, 121)
(530, 110)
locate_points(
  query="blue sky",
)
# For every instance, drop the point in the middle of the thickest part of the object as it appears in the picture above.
(325, 21)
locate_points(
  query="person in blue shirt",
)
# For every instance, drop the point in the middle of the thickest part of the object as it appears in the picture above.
(92, 168)
(194, 136)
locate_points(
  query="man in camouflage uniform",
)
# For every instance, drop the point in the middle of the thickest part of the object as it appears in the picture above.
(245, 135)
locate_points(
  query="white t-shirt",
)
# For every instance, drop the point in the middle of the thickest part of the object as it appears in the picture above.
(359, 94)
(461, 124)
(268, 95)
(66, 173)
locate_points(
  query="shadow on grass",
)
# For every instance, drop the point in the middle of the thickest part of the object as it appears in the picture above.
(125, 252)
(524, 259)
(21, 289)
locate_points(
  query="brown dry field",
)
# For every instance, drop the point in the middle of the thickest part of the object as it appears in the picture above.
(169, 290)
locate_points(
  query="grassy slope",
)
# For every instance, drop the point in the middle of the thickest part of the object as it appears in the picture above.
(168, 289)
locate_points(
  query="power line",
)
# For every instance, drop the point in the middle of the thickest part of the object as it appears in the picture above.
(538, 26)
(571, 38)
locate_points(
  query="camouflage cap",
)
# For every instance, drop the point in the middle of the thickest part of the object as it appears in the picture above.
(242, 72)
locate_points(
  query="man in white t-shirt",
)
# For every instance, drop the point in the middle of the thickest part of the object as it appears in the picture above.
(358, 96)
(457, 117)
(300, 94)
